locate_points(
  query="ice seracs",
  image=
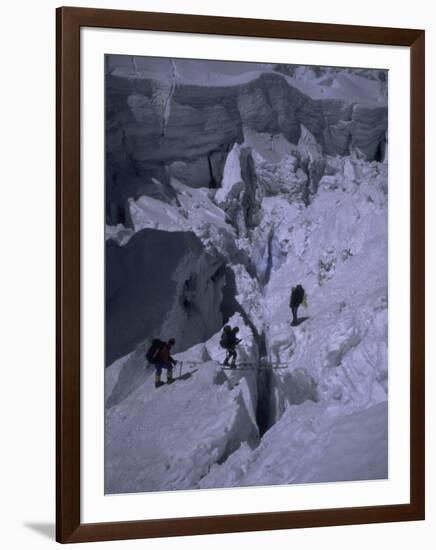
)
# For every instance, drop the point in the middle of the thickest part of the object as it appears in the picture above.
(167, 118)
(294, 191)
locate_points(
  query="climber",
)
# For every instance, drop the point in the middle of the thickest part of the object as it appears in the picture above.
(164, 361)
(229, 341)
(298, 297)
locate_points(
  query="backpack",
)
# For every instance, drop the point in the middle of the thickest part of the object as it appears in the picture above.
(225, 340)
(153, 351)
(297, 296)
(290, 298)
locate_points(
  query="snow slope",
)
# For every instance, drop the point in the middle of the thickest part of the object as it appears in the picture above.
(176, 444)
(307, 403)
(309, 447)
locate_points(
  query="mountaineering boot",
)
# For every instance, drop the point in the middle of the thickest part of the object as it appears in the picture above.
(157, 381)
(170, 378)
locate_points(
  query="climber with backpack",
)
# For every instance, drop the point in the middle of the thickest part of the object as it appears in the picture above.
(229, 341)
(298, 297)
(159, 355)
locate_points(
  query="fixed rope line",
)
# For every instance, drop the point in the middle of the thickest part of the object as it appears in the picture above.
(243, 364)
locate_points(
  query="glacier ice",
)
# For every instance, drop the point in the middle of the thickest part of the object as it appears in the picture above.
(174, 118)
(161, 282)
(233, 187)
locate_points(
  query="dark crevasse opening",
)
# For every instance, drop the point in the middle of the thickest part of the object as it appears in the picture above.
(264, 279)
(380, 151)
(276, 387)
(265, 406)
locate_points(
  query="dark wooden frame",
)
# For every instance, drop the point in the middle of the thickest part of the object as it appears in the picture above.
(69, 22)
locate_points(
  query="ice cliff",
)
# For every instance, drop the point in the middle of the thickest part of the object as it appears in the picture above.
(225, 189)
(161, 282)
(180, 118)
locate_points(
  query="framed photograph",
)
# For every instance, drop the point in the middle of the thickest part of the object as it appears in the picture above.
(240, 275)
